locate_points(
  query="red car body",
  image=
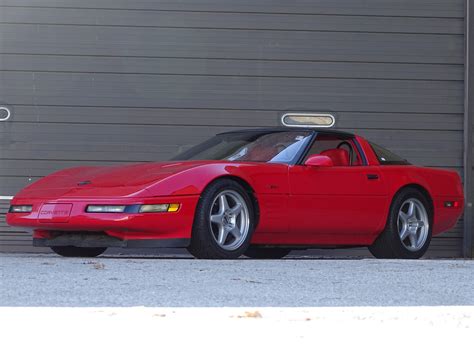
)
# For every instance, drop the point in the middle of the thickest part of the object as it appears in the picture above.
(298, 205)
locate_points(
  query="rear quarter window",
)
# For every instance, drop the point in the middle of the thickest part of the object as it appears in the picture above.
(386, 157)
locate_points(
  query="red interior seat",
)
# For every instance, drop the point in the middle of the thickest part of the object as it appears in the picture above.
(339, 157)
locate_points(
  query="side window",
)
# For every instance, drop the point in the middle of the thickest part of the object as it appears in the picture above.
(332, 145)
(386, 157)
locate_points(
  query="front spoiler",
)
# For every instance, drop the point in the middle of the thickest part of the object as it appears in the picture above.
(102, 240)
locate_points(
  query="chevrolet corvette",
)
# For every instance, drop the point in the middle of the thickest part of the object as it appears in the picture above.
(259, 193)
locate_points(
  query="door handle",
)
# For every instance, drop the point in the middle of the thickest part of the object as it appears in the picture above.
(372, 176)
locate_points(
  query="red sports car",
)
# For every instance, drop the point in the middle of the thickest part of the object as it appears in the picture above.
(259, 193)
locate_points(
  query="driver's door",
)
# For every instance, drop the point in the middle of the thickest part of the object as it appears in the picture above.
(337, 204)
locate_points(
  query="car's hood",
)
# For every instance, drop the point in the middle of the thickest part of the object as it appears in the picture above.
(114, 181)
(129, 175)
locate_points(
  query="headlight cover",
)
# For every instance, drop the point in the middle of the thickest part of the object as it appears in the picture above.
(106, 208)
(20, 209)
(152, 208)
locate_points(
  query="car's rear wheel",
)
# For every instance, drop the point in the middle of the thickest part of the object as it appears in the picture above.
(70, 251)
(407, 234)
(224, 221)
(266, 253)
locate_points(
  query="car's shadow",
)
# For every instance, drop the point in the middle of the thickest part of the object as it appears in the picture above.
(169, 254)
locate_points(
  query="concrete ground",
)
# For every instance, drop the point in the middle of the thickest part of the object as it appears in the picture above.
(115, 281)
(256, 330)
(175, 305)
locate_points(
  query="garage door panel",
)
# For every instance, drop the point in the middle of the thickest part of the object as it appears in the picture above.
(11, 185)
(17, 132)
(435, 148)
(229, 67)
(423, 8)
(43, 167)
(98, 152)
(229, 20)
(145, 116)
(229, 118)
(230, 92)
(403, 121)
(231, 44)
(20, 133)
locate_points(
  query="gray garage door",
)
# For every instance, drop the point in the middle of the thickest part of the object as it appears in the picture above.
(115, 81)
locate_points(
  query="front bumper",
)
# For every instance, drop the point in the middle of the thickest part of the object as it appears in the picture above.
(95, 240)
(125, 227)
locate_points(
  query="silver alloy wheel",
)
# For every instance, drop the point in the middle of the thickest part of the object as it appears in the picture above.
(413, 224)
(229, 220)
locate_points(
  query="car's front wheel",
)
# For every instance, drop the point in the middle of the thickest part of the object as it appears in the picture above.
(70, 251)
(407, 234)
(224, 221)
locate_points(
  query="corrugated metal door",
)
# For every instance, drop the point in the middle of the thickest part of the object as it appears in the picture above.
(114, 81)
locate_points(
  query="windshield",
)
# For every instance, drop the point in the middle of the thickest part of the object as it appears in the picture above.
(276, 147)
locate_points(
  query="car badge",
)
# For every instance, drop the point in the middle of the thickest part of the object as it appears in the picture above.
(82, 183)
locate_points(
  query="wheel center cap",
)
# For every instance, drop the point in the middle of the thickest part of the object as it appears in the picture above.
(413, 223)
(228, 220)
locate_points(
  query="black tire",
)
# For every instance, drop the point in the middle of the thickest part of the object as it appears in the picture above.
(267, 253)
(78, 252)
(203, 243)
(389, 244)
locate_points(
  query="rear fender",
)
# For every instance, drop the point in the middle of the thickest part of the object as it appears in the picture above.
(440, 185)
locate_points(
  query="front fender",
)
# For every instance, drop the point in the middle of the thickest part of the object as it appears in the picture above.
(264, 178)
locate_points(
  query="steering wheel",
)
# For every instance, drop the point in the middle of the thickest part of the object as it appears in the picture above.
(351, 150)
(280, 146)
